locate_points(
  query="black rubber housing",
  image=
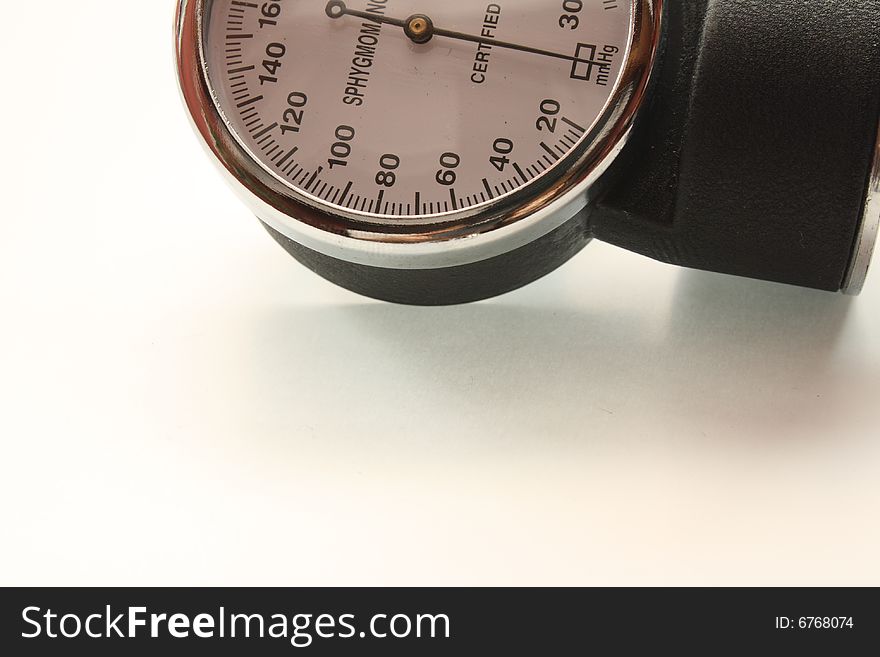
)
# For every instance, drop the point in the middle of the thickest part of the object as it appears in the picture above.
(754, 155)
(444, 287)
(752, 158)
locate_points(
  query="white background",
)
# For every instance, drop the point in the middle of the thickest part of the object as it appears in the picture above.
(184, 404)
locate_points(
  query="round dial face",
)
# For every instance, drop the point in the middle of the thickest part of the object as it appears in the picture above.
(409, 111)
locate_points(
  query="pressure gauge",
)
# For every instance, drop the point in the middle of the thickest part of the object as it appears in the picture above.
(417, 151)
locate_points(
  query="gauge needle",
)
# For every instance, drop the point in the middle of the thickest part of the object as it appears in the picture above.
(421, 29)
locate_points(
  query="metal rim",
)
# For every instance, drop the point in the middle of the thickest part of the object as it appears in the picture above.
(868, 230)
(469, 236)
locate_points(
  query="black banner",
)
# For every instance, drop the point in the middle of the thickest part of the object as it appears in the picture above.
(437, 621)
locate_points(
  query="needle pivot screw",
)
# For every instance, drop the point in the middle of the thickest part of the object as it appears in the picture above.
(419, 28)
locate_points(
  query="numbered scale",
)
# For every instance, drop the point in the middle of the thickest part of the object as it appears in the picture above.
(417, 151)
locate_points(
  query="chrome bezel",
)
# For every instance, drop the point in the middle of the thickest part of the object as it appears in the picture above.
(866, 239)
(461, 237)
